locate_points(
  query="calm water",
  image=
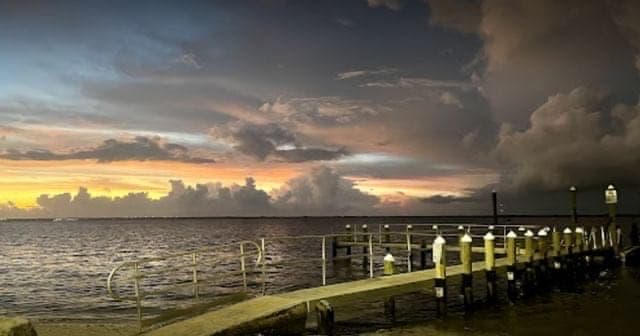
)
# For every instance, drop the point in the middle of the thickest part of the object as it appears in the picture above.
(59, 270)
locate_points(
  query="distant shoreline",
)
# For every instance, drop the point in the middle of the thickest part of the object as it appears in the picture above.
(67, 219)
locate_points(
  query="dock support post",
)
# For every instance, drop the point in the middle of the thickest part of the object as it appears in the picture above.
(389, 267)
(349, 239)
(324, 261)
(409, 249)
(567, 264)
(390, 309)
(511, 265)
(557, 264)
(423, 254)
(490, 265)
(529, 273)
(439, 253)
(543, 264)
(467, 278)
(334, 249)
(579, 252)
(387, 237)
(325, 316)
(365, 250)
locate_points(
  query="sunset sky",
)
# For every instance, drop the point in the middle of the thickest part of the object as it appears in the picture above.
(289, 107)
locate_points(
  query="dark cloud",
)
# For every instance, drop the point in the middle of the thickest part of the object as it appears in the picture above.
(272, 141)
(547, 47)
(446, 199)
(140, 149)
(574, 138)
(391, 4)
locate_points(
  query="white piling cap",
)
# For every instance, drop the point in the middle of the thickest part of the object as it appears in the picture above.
(348, 226)
(386, 226)
(611, 187)
(491, 227)
(364, 226)
(512, 234)
(389, 257)
(489, 236)
(548, 229)
(567, 230)
(579, 230)
(435, 227)
(439, 240)
(409, 226)
(460, 227)
(466, 238)
(573, 188)
(529, 233)
(521, 229)
(542, 233)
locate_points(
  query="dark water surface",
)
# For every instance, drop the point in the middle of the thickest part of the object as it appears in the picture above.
(59, 270)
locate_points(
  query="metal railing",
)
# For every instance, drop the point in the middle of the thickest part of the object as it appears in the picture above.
(139, 270)
(414, 238)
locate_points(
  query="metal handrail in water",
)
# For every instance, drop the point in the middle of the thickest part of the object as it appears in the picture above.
(140, 294)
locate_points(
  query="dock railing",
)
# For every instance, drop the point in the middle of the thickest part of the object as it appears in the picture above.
(336, 252)
(148, 278)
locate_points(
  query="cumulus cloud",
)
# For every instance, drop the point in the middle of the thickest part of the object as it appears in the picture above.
(573, 139)
(391, 4)
(546, 47)
(140, 149)
(323, 192)
(271, 141)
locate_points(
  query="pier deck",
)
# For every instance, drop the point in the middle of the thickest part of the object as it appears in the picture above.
(239, 316)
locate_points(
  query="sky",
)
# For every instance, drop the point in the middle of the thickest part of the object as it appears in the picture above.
(296, 107)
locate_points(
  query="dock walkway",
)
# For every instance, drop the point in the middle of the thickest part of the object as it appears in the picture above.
(240, 315)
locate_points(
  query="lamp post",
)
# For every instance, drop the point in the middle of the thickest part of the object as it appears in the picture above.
(574, 207)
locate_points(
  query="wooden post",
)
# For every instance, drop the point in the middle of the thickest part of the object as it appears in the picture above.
(490, 265)
(365, 252)
(511, 264)
(568, 241)
(423, 254)
(529, 251)
(324, 261)
(467, 277)
(439, 252)
(611, 199)
(543, 264)
(389, 267)
(325, 317)
(409, 249)
(387, 237)
(390, 302)
(348, 240)
(390, 309)
(579, 244)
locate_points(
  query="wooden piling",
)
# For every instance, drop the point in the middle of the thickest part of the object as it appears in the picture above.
(542, 265)
(325, 317)
(409, 248)
(390, 309)
(467, 278)
(423, 254)
(349, 239)
(387, 236)
(568, 241)
(439, 253)
(365, 249)
(389, 267)
(511, 264)
(489, 265)
(529, 251)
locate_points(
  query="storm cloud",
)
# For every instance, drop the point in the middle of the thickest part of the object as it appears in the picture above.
(140, 149)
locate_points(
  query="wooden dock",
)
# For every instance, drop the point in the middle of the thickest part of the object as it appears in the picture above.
(531, 259)
(240, 317)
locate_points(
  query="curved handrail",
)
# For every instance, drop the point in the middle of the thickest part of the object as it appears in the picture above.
(136, 263)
